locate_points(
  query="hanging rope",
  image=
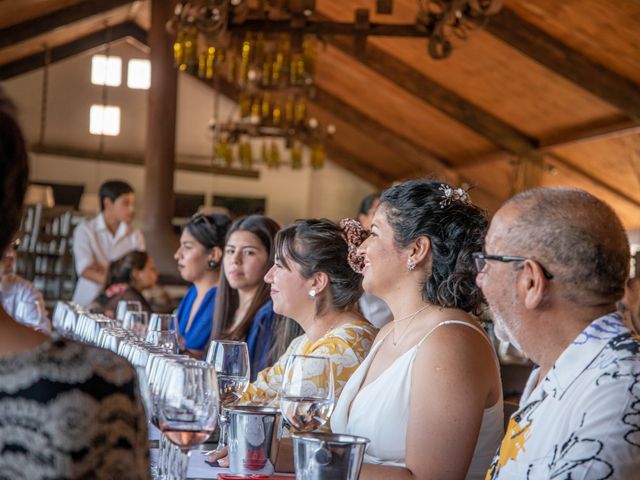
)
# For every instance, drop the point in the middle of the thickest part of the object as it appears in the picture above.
(44, 95)
(105, 89)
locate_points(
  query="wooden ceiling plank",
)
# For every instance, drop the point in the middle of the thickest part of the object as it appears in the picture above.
(566, 62)
(421, 159)
(564, 163)
(37, 26)
(83, 44)
(412, 80)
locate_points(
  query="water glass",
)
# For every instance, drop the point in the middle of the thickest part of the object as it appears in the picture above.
(307, 395)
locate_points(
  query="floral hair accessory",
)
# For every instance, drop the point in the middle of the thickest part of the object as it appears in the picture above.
(354, 234)
(450, 195)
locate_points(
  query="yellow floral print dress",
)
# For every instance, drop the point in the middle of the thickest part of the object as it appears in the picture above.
(345, 346)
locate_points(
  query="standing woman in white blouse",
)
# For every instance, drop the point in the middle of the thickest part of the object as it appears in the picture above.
(429, 395)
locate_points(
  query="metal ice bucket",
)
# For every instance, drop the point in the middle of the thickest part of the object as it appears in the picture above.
(328, 456)
(253, 442)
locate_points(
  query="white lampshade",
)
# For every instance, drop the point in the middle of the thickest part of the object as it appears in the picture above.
(40, 194)
(89, 203)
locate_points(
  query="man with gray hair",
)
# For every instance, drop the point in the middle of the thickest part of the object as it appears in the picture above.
(555, 264)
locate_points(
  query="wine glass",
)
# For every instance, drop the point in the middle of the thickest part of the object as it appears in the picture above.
(125, 306)
(161, 331)
(230, 359)
(307, 395)
(188, 408)
(136, 322)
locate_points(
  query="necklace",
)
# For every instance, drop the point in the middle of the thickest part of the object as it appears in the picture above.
(410, 317)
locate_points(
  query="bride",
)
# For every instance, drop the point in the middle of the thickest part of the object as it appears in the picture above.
(429, 395)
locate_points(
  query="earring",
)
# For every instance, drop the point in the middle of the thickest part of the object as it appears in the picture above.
(411, 266)
(313, 293)
(212, 264)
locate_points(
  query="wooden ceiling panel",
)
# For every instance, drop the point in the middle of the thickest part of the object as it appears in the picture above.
(589, 26)
(496, 178)
(616, 161)
(65, 34)
(395, 108)
(627, 211)
(18, 11)
(489, 73)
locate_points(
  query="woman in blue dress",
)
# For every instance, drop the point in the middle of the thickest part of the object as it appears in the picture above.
(199, 259)
(244, 310)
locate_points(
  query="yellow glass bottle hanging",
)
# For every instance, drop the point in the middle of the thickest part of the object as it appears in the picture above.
(309, 59)
(300, 113)
(178, 49)
(296, 156)
(317, 156)
(275, 155)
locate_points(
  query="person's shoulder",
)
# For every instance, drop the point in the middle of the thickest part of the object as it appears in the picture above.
(357, 328)
(101, 363)
(266, 310)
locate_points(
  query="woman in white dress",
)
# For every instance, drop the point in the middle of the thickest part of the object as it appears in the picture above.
(429, 395)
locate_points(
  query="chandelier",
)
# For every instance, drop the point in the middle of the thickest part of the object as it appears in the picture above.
(267, 49)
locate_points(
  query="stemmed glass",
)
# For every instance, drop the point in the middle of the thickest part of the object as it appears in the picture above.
(136, 322)
(307, 395)
(188, 408)
(125, 306)
(230, 359)
(162, 330)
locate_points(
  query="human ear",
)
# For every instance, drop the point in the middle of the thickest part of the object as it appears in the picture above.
(532, 284)
(215, 254)
(319, 281)
(420, 250)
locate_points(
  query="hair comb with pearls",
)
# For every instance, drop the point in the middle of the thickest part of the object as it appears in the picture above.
(450, 195)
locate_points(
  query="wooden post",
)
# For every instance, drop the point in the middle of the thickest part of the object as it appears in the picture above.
(158, 204)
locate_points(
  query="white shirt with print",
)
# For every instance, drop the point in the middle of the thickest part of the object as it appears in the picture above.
(93, 242)
(583, 420)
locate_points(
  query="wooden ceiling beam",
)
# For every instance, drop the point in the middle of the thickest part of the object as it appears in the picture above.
(126, 159)
(585, 73)
(38, 26)
(61, 52)
(412, 80)
(424, 162)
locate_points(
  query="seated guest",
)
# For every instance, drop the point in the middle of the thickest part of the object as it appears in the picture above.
(431, 384)
(199, 257)
(373, 308)
(17, 290)
(66, 410)
(103, 239)
(244, 310)
(127, 278)
(313, 284)
(631, 304)
(555, 265)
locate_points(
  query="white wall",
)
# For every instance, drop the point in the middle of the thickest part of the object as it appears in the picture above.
(331, 192)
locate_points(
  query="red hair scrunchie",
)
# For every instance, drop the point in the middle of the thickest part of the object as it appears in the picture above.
(354, 234)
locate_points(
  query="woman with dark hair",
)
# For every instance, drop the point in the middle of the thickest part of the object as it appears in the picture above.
(244, 310)
(66, 410)
(127, 278)
(431, 382)
(312, 283)
(199, 257)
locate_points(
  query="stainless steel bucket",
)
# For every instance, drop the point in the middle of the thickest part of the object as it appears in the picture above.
(328, 456)
(253, 442)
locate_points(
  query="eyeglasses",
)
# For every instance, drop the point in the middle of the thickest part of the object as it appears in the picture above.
(480, 260)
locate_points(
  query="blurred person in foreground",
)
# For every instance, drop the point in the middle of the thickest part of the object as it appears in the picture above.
(67, 410)
(555, 263)
(19, 292)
